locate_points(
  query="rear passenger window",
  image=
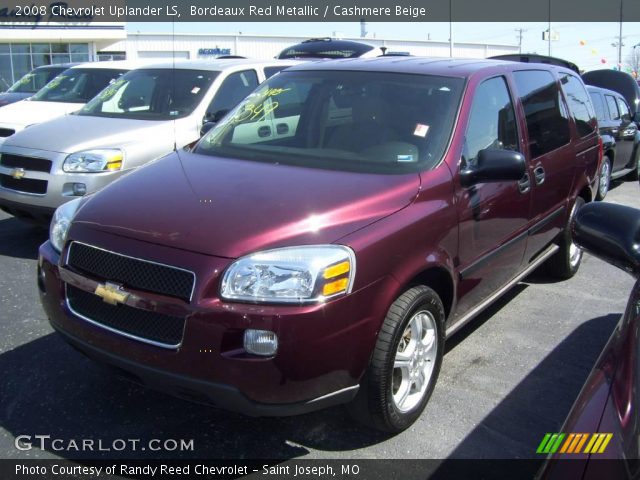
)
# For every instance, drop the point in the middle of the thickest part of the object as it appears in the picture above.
(233, 90)
(579, 104)
(492, 123)
(624, 110)
(614, 114)
(598, 105)
(546, 116)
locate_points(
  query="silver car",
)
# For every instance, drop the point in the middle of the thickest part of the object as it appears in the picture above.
(142, 116)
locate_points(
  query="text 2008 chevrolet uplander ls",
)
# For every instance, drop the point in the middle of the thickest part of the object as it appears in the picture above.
(327, 265)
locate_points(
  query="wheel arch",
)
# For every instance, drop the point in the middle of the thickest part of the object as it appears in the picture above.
(440, 280)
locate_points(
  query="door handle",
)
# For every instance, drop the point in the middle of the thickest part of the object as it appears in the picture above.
(524, 185)
(538, 173)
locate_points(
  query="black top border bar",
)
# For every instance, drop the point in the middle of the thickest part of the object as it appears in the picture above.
(81, 11)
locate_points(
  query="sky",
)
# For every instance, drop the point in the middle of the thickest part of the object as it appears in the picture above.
(589, 45)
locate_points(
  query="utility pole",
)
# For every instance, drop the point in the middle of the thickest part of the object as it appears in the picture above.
(620, 40)
(451, 28)
(549, 39)
(520, 32)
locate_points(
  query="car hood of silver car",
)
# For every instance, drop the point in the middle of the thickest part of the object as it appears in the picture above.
(74, 133)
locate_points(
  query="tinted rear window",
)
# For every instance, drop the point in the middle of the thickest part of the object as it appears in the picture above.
(579, 104)
(546, 115)
(612, 106)
(598, 105)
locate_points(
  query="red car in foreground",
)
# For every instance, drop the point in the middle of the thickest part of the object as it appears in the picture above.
(323, 239)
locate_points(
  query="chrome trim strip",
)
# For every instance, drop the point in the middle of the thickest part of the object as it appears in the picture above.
(489, 300)
(120, 332)
(332, 394)
(193, 287)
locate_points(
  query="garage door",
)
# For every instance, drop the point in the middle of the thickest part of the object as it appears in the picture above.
(163, 55)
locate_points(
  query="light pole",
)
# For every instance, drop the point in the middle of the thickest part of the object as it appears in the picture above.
(549, 33)
(451, 28)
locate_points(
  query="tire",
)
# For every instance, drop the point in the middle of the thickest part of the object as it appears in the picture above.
(566, 261)
(604, 177)
(392, 398)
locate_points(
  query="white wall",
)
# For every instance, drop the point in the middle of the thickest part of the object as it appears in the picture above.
(264, 46)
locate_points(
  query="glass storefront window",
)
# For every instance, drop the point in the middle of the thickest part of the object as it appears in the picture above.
(21, 65)
(59, 48)
(79, 48)
(79, 57)
(6, 78)
(25, 56)
(41, 59)
(57, 58)
(20, 48)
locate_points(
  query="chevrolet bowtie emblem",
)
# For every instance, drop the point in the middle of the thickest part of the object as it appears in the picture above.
(17, 173)
(111, 294)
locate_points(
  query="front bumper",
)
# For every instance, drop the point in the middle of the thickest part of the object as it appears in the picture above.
(323, 349)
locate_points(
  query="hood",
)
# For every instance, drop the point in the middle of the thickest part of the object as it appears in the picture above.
(12, 97)
(73, 133)
(27, 112)
(229, 208)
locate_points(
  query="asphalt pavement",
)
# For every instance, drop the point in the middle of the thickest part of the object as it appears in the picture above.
(507, 378)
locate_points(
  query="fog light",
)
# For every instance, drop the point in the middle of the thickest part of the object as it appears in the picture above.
(261, 342)
(79, 189)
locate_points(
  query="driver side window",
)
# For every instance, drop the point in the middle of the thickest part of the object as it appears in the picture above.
(492, 123)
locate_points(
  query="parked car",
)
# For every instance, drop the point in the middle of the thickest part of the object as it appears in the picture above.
(274, 275)
(608, 403)
(620, 137)
(64, 94)
(32, 82)
(620, 82)
(142, 116)
(315, 48)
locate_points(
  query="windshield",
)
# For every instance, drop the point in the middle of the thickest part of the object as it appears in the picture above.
(34, 80)
(358, 121)
(77, 85)
(152, 94)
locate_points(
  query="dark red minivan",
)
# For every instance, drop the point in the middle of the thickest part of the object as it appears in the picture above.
(322, 241)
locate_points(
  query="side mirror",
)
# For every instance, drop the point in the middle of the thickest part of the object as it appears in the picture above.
(610, 232)
(206, 126)
(210, 119)
(494, 165)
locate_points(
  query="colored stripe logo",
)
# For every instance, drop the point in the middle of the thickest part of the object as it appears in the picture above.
(574, 443)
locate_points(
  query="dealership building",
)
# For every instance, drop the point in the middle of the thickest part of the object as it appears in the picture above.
(25, 46)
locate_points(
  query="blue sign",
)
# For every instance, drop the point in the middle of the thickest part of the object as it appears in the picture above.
(214, 51)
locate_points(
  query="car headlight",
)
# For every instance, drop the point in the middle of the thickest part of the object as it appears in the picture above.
(306, 274)
(61, 222)
(92, 161)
